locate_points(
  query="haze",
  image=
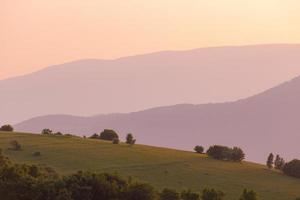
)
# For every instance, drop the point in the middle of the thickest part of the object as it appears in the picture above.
(38, 33)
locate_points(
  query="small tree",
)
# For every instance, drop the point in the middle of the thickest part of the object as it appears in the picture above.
(188, 195)
(14, 145)
(168, 194)
(199, 149)
(140, 191)
(129, 139)
(7, 128)
(248, 195)
(270, 161)
(212, 194)
(46, 131)
(279, 162)
(108, 134)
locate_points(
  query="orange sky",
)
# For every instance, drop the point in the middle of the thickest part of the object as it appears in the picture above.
(38, 33)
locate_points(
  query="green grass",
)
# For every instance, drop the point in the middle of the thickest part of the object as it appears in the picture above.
(159, 166)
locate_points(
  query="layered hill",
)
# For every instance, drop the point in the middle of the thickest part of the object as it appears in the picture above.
(268, 122)
(158, 166)
(90, 87)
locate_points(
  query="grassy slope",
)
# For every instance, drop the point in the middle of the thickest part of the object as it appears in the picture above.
(159, 166)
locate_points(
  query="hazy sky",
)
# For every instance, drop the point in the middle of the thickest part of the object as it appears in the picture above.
(38, 33)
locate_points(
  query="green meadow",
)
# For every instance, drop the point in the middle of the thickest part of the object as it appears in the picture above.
(161, 167)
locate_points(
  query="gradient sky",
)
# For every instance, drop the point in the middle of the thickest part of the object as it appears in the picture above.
(38, 33)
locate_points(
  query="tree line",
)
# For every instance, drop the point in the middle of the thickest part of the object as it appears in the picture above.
(36, 182)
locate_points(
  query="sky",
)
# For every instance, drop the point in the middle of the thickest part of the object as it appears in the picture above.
(38, 33)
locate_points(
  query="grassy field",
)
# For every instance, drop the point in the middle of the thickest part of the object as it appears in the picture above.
(159, 166)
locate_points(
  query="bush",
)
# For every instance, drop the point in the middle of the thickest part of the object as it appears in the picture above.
(225, 153)
(188, 195)
(58, 133)
(168, 194)
(292, 168)
(95, 136)
(248, 195)
(212, 194)
(199, 149)
(7, 128)
(108, 134)
(46, 131)
(14, 145)
(116, 141)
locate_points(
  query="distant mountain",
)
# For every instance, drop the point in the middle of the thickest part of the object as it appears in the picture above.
(89, 87)
(267, 122)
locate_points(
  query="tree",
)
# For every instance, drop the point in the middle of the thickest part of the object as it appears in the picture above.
(237, 154)
(270, 161)
(199, 149)
(188, 195)
(169, 194)
(14, 145)
(129, 139)
(225, 153)
(212, 194)
(279, 162)
(108, 134)
(7, 128)
(248, 195)
(47, 131)
(292, 168)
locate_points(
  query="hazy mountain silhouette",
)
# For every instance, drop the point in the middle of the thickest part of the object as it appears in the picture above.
(89, 87)
(264, 123)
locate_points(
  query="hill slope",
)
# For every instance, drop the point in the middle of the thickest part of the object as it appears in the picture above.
(90, 87)
(159, 166)
(268, 122)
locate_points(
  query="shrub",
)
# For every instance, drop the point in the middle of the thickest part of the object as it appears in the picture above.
(14, 145)
(199, 149)
(248, 195)
(116, 141)
(108, 134)
(212, 194)
(46, 131)
(7, 128)
(168, 194)
(188, 195)
(292, 168)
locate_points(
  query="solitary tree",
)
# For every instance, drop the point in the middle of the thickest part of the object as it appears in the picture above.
(199, 149)
(7, 127)
(47, 131)
(270, 161)
(108, 134)
(248, 195)
(129, 139)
